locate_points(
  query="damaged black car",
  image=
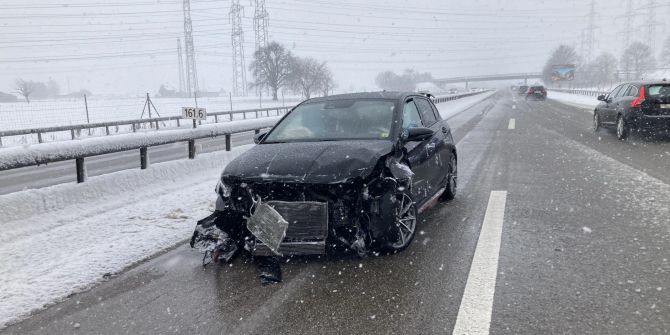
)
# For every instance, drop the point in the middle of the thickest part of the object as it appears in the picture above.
(345, 172)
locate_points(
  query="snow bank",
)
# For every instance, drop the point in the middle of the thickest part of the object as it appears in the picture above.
(62, 239)
(57, 151)
(451, 108)
(577, 100)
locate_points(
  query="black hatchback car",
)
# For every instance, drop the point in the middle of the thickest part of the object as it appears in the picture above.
(636, 106)
(352, 171)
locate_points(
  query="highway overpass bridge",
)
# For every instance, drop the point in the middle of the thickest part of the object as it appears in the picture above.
(510, 76)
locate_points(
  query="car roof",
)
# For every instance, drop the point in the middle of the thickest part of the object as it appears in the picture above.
(648, 82)
(367, 95)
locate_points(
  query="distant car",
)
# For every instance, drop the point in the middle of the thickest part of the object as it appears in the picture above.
(522, 89)
(353, 171)
(536, 92)
(453, 91)
(636, 106)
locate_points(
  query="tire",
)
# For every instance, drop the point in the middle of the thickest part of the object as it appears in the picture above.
(621, 128)
(452, 180)
(399, 220)
(596, 121)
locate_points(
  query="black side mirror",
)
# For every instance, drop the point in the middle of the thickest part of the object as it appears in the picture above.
(418, 134)
(601, 97)
(259, 137)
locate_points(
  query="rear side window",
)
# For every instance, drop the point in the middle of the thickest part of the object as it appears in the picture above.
(426, 111)
(632, 91)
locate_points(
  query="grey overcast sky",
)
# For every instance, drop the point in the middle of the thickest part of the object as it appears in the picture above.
(129, 46)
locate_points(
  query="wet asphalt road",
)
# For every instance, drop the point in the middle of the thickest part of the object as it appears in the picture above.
(584, 250)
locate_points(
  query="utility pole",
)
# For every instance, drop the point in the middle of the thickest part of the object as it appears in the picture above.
(261, 22)
(590, 33)
(182, 85)
(237, 39)
(191, 73)
(628, 26)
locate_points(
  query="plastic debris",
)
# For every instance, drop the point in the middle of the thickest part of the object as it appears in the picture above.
(268, 226)
(269, 271)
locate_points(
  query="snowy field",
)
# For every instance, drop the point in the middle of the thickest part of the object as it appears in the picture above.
(577, 100)
(64, 239)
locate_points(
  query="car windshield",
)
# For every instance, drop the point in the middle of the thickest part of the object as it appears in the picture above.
(336, 120)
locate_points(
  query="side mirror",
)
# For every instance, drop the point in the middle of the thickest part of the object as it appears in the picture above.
(601, 97)
(259, 137)
(418, 134)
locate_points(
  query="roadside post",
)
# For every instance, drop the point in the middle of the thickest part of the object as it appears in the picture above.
(195, 114)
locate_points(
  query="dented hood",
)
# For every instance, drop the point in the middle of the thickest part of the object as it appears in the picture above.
(308, 162)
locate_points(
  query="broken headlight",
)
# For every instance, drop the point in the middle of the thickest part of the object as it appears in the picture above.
(223, 190)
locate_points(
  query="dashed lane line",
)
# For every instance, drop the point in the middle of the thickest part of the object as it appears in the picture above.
(512, 124)
(474, 315)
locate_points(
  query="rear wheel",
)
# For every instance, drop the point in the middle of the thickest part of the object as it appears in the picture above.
(621, 128)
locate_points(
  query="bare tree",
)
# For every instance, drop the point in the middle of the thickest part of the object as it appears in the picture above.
(271, 67)
(603, 70)
(637, 60)
(24, 88)
(307, 76)
(327, 82)
(664, 58)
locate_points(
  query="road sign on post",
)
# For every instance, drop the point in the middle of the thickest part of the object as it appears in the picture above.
(194, 113)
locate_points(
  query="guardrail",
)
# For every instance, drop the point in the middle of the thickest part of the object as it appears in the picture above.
(136, 124)
(17, 157)
(44, 153)
(592, 93)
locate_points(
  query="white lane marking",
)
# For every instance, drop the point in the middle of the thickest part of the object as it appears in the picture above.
(512, 124)
(513, 106)
(474, 315)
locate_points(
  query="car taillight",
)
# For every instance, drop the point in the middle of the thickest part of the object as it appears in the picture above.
(640, 99)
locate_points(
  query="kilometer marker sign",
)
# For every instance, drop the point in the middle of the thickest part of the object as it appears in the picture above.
(195, 113)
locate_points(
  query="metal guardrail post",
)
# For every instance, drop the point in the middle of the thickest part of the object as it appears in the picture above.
(191, 149)
(39, 137)
(227, 142)
(72, 133)
(256, 131)
(107, 130)
(81, 169)
(216, 118)
(257, 114)
(134, 129)
(144, 158)
(231, 116)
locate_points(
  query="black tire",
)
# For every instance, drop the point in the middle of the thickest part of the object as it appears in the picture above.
(622, 129)
(397, 222)
(452, 180)
(596, 121)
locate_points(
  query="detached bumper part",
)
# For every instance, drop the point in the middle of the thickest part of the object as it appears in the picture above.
(306, 232)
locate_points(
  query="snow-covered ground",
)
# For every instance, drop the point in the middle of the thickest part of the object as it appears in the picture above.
(577, 100)
(66, 238)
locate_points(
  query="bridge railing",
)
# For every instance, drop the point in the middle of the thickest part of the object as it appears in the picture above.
(445, 98)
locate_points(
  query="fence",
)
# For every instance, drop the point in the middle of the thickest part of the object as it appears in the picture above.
(133, 125)
(592, 93)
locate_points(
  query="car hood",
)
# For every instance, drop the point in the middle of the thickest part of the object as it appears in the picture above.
(308, 162)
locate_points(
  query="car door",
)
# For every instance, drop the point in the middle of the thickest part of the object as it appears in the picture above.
(417, 152)
(436, 148)
(627, 98)
(607, 113)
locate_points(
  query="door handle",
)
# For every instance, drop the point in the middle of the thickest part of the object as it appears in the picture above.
(445, 130)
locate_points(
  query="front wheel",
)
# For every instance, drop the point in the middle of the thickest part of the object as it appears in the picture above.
(452, 180)
(621, 128)
(395, 227)
(596, 121)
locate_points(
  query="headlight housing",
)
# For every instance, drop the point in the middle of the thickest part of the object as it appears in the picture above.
(223, 190)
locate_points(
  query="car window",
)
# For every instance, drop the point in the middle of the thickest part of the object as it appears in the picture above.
(632, 91)
(622, 91)
(410, 116)
(615, 91)
(436, 112)
(426, 111)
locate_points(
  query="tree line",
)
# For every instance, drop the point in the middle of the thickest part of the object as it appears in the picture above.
(634, 63)
(390, 81)
(275, 67)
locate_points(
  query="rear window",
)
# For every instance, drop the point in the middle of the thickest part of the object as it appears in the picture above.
(658, 91)
(536, 88)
